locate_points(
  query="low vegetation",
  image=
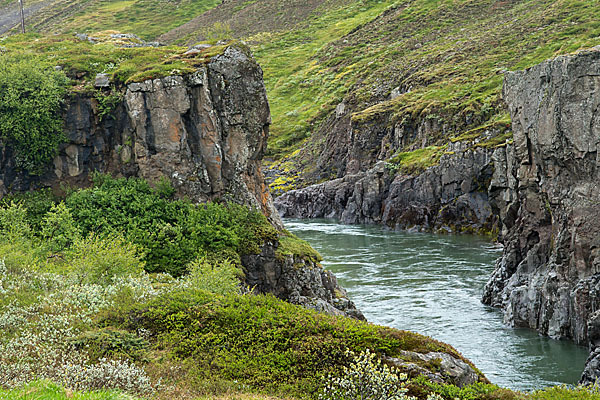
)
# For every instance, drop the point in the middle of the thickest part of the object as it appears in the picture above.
(88, 306)
(107, 52)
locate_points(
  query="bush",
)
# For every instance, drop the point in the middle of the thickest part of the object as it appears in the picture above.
(215, 277)
(59, 228)
(259, 340)
(98, 260)
(30, 120)
(13, 221)
(172, 233)
(366, 378)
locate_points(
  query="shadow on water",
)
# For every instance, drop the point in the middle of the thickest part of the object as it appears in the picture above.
(432, 284)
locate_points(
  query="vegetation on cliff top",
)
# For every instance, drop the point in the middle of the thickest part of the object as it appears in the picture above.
(81, 60)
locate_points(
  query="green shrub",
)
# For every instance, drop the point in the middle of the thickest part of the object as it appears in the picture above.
(59, 228)
(259, 340)
(13, 221)
(30, 120)
(111, 343)
(172, 233)
(215, 277)
(100, 260)
(37, 203)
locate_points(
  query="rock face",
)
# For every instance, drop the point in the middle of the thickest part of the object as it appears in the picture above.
(450, 369)
(299, 281)
(207, 133)
(451, 196)
(546, 190)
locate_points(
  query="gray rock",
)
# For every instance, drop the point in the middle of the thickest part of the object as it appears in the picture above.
(298, 281)
(451, 370)
(449, 196)
(546, 190)
(102, 81)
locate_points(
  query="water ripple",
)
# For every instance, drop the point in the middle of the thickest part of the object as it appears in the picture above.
(432, 284)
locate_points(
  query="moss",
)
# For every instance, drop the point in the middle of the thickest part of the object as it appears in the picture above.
(291, 245)
(414, 162)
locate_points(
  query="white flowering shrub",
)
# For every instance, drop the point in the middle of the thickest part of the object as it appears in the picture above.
(366, 378)
(39, 331)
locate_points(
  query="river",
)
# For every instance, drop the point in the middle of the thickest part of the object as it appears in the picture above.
(432, 284)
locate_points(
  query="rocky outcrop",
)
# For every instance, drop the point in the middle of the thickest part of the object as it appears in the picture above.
(450, 196)
(546, 190)
(448, 368)
(206, 132)
(298, 281)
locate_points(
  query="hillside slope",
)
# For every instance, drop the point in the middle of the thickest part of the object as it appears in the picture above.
(146, 18)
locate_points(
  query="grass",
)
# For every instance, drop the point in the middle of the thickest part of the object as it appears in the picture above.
(417, 161)
(447, 58)
(82, 60)
(136, 16)
(49, 391)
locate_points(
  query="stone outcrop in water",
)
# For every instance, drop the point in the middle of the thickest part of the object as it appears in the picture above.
(207, 133)
(546, 190)
(451, 196)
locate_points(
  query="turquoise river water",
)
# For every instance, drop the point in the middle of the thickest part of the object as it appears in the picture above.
(432, 284)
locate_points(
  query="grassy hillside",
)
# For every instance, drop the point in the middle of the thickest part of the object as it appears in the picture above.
(146, 18)
(447, 56)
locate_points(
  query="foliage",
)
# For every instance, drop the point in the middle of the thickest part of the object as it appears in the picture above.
(567, 393)
(474, 391)
(164, 188)
(49, 391)
(414, 162)
(30, 99)
(172, 233)
(96, 260)
(218, 31)
(111, 343)
(82, 60)
(221, 277)
(13, 221)
(365, 378)
(137, 16)
(58, 228)
(259, 340)
(107, 103)
(37, 203)
(291, 245)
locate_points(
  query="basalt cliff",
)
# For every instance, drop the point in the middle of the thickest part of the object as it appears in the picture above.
(207, 133)
(546, 190)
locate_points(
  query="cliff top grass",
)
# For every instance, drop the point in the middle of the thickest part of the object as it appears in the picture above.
(81, 59)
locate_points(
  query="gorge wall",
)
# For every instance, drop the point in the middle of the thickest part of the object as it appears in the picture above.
(540, 192)
(546, 190)
(207, 133)
(365, 187)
